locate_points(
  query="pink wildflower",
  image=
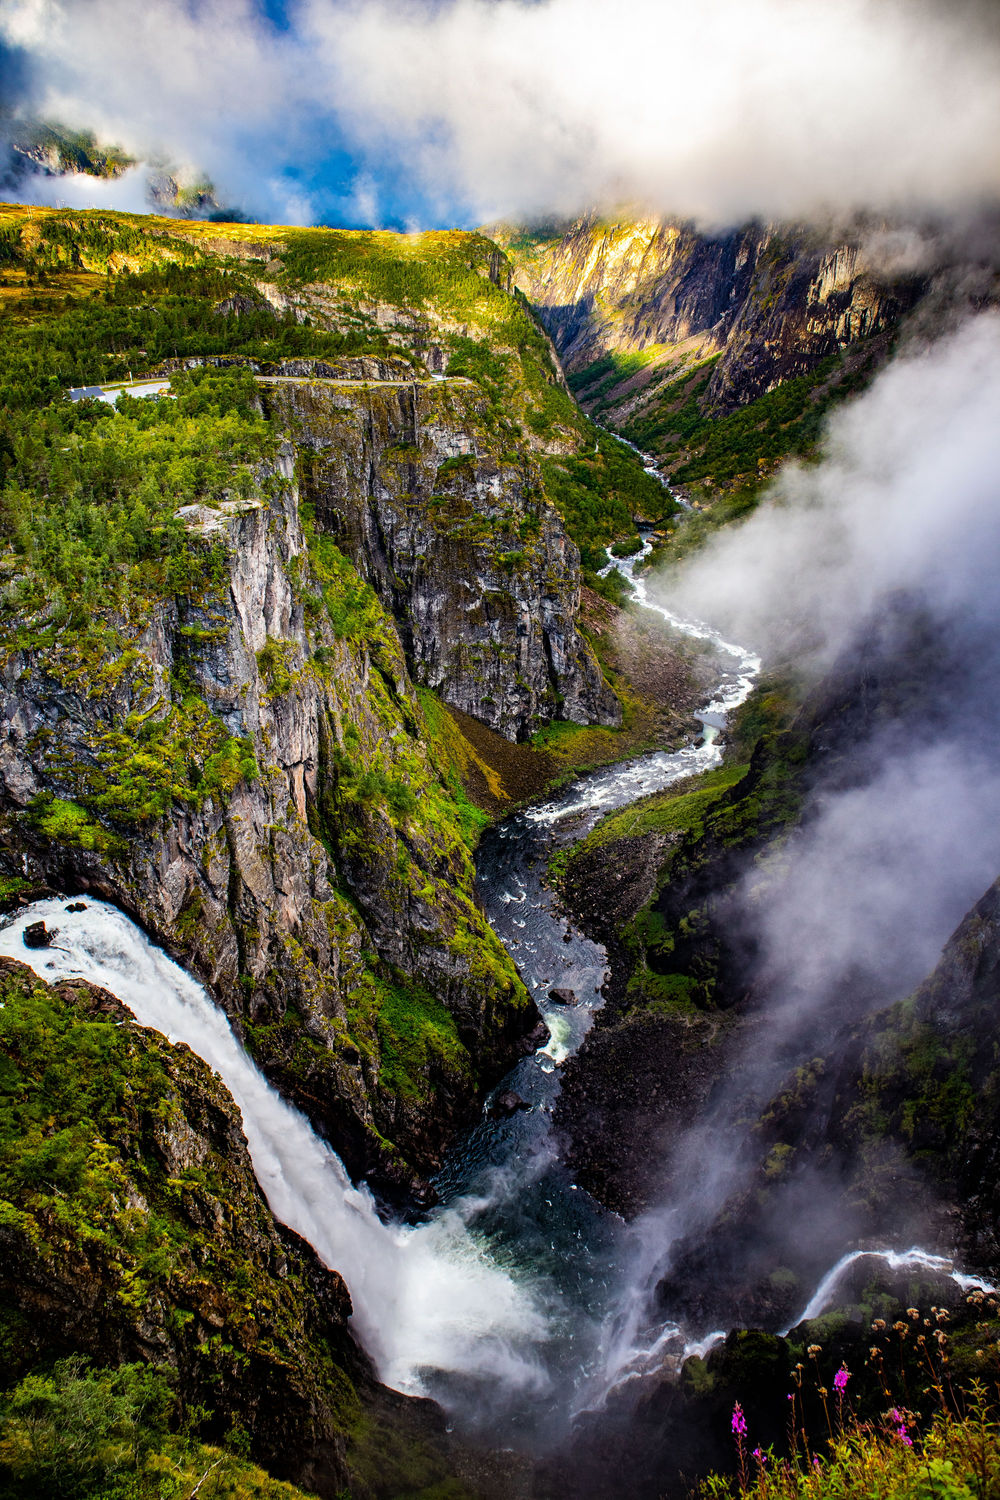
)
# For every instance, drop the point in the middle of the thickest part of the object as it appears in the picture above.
(840, 1380)
(897, 1416)
(739, 1422)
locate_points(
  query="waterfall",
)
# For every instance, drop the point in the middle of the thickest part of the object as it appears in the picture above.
(425, 1297)
(896, 1260)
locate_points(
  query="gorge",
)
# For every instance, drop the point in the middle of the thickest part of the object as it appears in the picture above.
(340, 773)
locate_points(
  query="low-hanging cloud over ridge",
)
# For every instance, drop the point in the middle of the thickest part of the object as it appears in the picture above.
(473, 109)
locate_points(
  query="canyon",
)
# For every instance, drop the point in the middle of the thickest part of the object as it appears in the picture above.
(275, 734)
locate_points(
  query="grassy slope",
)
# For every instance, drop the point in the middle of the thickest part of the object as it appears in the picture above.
(107, 293)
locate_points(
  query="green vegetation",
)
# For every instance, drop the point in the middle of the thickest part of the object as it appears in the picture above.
(721, 509)
(957, 1459)
(72, 150)
(725, 459)
(599, 493)
(597, 385)
(114, 531)
(417, 1036)
(446, 277)
(67, 823)
(78, 1099)
(906, 1409)
(351, 605)
(454, 760)
(90, 495)
(628, 548)
(79, 1433)
(679, 809)
(95, 550)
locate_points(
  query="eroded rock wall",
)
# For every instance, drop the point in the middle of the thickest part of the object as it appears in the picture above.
(770, 300)
(327, 900)
(459, 541)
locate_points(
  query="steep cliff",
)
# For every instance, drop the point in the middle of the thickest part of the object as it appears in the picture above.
(771, 300)
(319, 867)
(132, 1228)
(458, 540)
(649, 315)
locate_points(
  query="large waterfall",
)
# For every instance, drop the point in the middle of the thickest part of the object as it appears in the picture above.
(425, 1296)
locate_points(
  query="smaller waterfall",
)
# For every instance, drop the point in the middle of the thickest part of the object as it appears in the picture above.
(896, 1260)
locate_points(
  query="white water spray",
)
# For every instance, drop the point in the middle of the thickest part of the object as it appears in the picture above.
(424, 1297)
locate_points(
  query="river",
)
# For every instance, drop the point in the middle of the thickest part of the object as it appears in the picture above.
(506, 1303)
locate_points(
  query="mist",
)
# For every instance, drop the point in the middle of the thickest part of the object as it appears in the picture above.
(468, 111)
(898, 526)
(905, 499)
(872, 575)
(127, 193)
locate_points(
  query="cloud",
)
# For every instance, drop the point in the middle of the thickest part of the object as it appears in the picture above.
(473, 109)
(875, 882)
(128, 193)
(905, 498)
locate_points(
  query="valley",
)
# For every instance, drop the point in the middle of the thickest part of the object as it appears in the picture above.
(496, 998)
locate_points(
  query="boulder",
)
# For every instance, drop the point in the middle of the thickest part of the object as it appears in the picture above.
(507, 1104)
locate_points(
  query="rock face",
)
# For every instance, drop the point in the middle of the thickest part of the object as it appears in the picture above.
(326, 900)
(458, 541)
(162, 1248)
(771, 301)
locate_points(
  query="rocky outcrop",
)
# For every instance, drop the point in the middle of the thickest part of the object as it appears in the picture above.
(457, 539)
(318, 882)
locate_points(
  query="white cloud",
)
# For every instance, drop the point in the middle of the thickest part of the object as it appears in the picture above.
(720, 110)
(128, 193)
(906, 498)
